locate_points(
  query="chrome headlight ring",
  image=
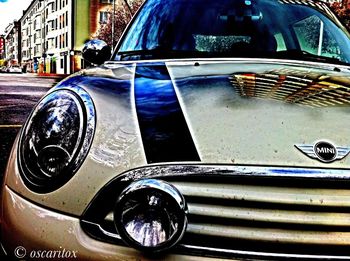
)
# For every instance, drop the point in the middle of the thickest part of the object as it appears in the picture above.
(151, 215)
(56, 139)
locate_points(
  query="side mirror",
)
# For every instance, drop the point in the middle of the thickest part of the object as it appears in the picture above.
(96, 52)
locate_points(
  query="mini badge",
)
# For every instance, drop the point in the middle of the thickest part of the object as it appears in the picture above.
(323, 151)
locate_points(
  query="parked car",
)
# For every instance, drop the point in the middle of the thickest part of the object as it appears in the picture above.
(3, 69)
(216, 129)
(14, 69)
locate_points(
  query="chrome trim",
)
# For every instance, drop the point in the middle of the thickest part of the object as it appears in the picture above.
(222, 60)
(87, 128)
(310, 151)
(220, 170)
(90, 122)
(178, 205)
(222, 253)
(106, 233)
(157, 171)
(254, 254)
(3, 249)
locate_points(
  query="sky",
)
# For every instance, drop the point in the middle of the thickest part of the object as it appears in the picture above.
(11, 10)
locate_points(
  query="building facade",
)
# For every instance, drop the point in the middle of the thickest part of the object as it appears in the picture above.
(31, 32)
(49, 36)
(47, 31)
(2, 48)
(12, 39)
(54, 31)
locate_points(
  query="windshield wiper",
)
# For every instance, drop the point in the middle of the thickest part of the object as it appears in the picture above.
(303, 55)
(160, 53)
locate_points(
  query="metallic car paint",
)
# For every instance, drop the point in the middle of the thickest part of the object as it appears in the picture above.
(20, 229)
(164, 131)
(117, 146)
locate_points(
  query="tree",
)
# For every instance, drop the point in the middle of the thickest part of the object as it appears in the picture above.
(343, 11)
(124, 11)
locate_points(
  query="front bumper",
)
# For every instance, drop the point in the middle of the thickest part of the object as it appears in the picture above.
(297, 214)
(29, 230)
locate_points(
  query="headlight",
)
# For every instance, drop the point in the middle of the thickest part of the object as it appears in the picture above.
(56, 139)
(150, 215)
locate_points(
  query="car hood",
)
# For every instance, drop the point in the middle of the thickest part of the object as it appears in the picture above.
(262, 112)
(234, 112)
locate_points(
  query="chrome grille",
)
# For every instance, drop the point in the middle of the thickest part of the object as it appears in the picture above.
(256, 212)
(303, 216)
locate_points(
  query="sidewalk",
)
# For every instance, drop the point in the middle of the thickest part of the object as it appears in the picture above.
(49, 75)
(52, 75)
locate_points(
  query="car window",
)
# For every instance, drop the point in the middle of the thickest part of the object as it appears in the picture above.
(240, 28)
(281, 45)
(219, 43)
(315, 36)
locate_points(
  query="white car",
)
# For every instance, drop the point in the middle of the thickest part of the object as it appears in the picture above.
(14, 69)
(218, 129)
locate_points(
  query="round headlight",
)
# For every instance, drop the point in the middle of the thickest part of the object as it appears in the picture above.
(56, 139)
(150, 215)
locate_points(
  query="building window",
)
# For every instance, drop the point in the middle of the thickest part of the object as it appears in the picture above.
(51, 25)
(103, 17)
(61, 63)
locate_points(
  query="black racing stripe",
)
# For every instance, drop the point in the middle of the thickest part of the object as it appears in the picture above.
(165, 134)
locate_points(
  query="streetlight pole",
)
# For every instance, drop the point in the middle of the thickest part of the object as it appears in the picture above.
(30, 44)
(113, 17)
(44, 35)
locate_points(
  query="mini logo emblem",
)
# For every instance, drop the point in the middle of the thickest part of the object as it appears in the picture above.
(323, 151)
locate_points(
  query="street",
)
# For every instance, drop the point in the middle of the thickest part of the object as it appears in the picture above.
(18, 94)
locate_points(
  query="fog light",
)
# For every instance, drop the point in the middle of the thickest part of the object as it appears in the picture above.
(150, 215)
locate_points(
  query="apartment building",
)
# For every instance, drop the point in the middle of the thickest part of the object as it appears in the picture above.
(47, 31)
(12, 43)
(99, 13)
(54, 32)
(31, 32)
(2, 47)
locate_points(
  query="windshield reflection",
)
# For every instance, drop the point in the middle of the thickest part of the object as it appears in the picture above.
(242, 28)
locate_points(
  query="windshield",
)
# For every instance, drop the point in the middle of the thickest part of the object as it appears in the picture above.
(240, 28)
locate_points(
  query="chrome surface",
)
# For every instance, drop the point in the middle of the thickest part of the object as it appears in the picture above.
(63, 149)
(96, 51)
(310, 151)
(247, 211)
(150, 215)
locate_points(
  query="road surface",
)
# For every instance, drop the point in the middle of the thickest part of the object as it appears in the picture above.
(18, 94)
